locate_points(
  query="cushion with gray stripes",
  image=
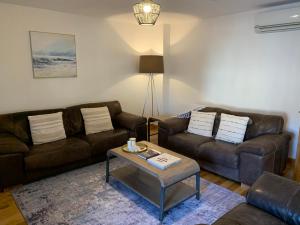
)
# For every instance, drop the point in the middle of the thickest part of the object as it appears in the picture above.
(47, 128)
(232, 128)
(202, 123)
(96, 120)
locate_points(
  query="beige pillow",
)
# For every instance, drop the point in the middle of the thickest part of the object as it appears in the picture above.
(202, 123)
(47, 128)
(96, 120)
(232, 128)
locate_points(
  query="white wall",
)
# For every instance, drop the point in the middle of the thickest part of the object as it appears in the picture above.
(224, 62)
(219, 61)
(107, 56)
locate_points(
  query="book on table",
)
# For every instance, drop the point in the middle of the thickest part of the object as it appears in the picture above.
(149, 154)
(163, 161)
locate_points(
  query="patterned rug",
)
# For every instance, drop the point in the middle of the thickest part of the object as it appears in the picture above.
(81, 197)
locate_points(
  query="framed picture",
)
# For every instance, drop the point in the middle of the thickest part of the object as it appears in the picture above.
(53, 55)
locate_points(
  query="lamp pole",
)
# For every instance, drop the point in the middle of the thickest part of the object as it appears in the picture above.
(151, 86)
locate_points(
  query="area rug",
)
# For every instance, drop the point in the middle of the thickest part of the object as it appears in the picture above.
(81, 197)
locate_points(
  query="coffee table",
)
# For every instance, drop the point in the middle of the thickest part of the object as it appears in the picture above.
(163, 188)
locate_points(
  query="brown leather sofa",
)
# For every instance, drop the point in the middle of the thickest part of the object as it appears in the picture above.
(21, 161)
(272, 200)
(265, 147)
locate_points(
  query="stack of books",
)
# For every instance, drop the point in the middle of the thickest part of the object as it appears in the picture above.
(158, 160)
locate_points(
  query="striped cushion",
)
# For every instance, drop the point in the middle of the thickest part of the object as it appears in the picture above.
(47, 128)
(232, 128)
(96, 120)
(202, 123)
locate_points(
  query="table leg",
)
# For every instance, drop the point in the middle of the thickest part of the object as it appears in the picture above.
(107, 167)
(198, 185)
(162, 203)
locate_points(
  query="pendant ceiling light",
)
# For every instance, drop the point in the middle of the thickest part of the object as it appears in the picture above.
(146, 12)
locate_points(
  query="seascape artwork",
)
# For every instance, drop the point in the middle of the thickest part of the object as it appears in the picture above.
(53, 55)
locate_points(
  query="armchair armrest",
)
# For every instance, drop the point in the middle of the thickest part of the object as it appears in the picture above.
(265, 144)
(276, 195)
(9, 144)
(130, 121)
(174, 125)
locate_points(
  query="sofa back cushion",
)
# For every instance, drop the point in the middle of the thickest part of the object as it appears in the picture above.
(18, 124)
(259, 124)
(6, 124)
(73, 119)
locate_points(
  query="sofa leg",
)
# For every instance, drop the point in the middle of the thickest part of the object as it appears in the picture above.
(245, 186)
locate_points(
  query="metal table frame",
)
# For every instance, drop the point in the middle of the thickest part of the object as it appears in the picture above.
(163, 190)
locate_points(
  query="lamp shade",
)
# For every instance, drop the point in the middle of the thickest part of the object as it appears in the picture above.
(151, 64)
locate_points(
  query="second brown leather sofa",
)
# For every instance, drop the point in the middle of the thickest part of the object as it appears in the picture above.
(265, 148)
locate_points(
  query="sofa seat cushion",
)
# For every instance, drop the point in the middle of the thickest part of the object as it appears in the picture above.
(221, 153)
(187, 144)
(101, 142)
(57, 153)
(248, 215)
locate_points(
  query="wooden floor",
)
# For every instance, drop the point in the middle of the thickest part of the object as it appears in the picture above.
(10, 214)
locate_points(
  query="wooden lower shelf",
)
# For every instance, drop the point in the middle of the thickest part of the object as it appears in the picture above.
(148, 187)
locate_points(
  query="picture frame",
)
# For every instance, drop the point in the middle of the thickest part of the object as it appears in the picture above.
(53, 55)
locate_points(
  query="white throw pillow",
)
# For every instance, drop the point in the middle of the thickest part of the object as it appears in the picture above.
(232, 128)
(96, 120)
(47, 128)
(202, 123)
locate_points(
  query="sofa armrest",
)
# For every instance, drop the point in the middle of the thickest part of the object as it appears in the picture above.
(130, 121)
(9, 144)
(174, 125)
(276, 195)
(265, 144)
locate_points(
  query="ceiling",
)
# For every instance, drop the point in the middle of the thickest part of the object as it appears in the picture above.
(103, 8)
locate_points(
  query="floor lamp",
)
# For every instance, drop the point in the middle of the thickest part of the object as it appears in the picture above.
(151, 64)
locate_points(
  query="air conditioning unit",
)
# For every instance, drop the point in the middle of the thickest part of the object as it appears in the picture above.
(278, 21)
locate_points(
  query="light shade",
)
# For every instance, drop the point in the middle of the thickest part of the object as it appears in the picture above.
(151, 64)
(146, 12)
